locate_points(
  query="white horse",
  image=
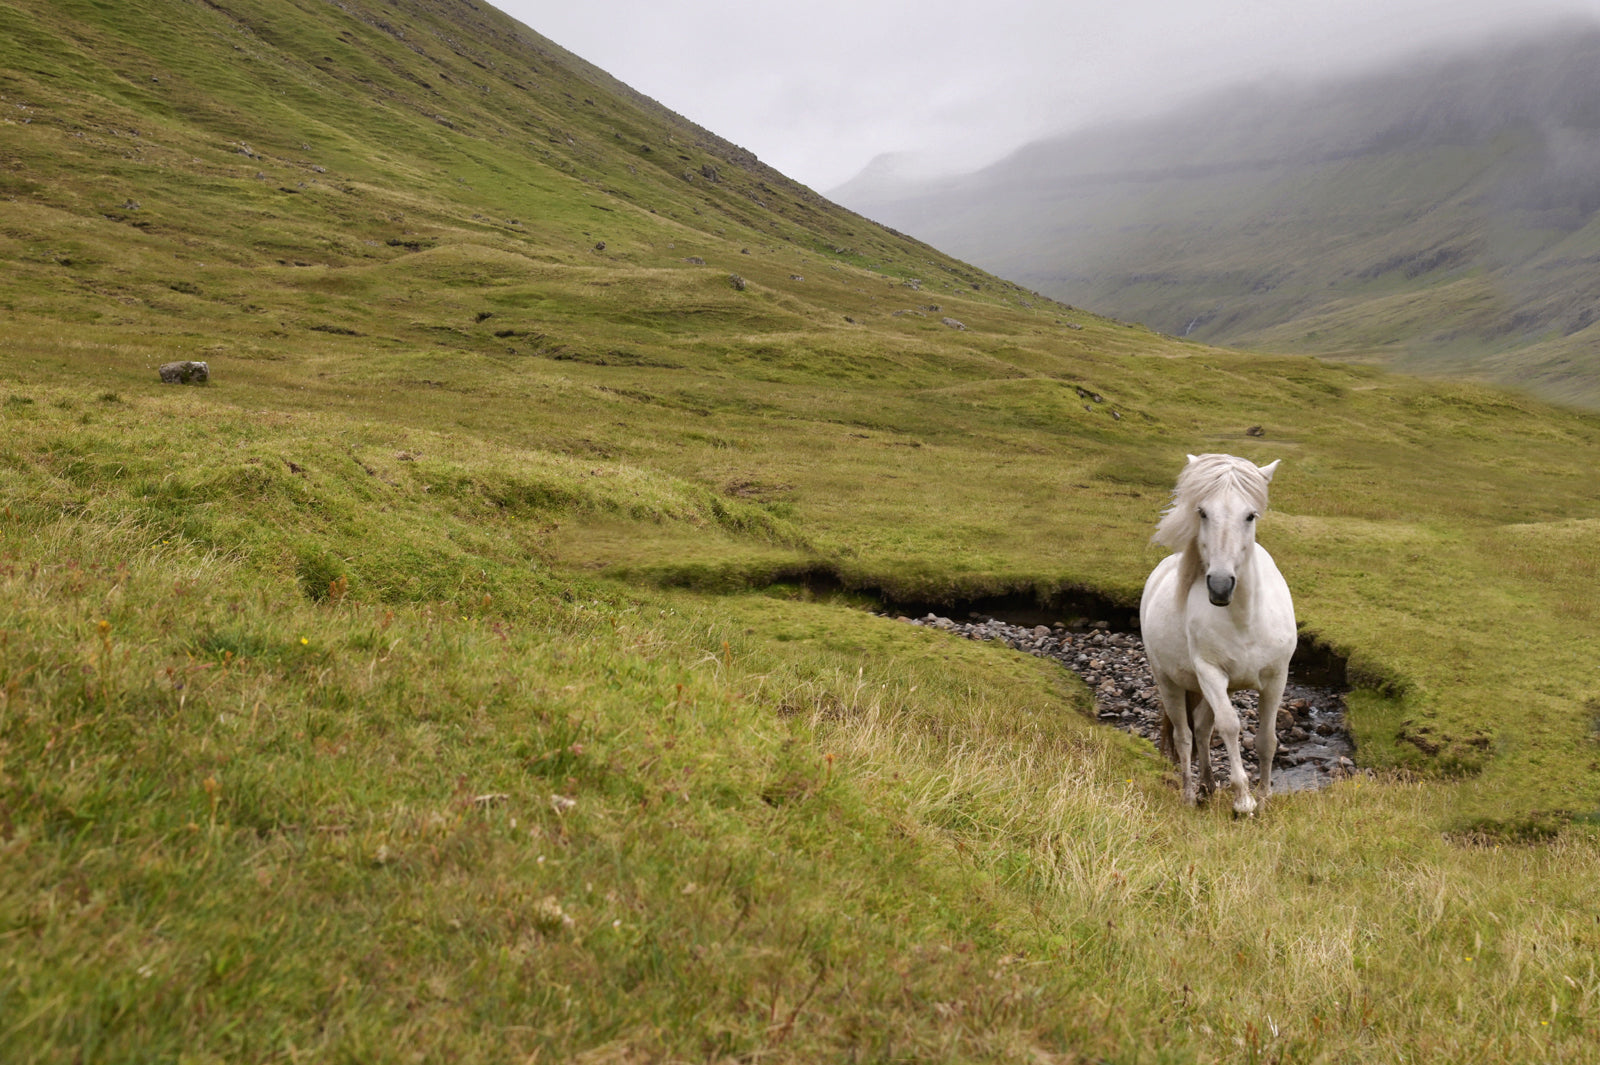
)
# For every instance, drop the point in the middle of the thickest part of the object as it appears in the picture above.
(1216, 616)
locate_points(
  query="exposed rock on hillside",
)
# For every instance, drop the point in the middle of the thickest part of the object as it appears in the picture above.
(185, 373)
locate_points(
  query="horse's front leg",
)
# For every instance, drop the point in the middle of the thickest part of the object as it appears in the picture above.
(1214, 686)
(1267, 728)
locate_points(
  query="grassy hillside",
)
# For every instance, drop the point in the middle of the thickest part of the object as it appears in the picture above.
(476, 668)
(1438, 217)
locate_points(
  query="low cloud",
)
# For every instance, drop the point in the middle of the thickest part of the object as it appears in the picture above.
(819, 89)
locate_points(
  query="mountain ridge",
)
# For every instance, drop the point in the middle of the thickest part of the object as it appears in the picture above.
(1438, 216)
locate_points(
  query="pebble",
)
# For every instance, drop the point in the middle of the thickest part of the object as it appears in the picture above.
(1314, 746)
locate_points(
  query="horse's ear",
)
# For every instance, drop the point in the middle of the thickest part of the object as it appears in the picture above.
(1269, 469)
(1193, 458)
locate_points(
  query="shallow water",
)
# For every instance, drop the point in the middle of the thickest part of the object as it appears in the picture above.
(1314, 746)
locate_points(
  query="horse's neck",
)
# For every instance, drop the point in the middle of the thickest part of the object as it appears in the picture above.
(1189, 571)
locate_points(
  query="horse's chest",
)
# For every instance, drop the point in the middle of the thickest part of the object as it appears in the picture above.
(1243, 671)
(1246, 656)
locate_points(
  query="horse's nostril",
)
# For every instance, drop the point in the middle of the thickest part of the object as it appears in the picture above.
(1219, 588)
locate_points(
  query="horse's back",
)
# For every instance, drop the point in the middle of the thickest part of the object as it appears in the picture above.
(1160, 596)
(1277, 607)
(1161, 626)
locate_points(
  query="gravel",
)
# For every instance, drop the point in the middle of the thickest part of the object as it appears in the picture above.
(1314, 747)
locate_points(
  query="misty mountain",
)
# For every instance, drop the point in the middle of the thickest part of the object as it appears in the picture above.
(1439, 215)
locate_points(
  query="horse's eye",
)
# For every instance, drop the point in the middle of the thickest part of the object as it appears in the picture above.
(1249, 517)
(1202, 512)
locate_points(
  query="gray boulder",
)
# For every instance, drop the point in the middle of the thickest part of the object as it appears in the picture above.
(185, 373)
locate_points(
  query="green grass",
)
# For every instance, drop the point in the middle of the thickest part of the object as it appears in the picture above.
(442, 680)
(514, 811)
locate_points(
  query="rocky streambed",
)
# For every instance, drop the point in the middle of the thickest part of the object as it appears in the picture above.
(1314, 747)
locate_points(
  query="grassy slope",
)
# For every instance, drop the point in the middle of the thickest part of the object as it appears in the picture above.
(301, 669)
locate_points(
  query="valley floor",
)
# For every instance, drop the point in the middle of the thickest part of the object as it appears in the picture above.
(259, 804)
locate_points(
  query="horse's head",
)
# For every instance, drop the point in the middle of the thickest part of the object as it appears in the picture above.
(1214, 510)
(1226, 534)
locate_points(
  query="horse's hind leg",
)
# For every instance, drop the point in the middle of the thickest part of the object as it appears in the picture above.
(1201, 721)
(1175, 710)
(1214, 685)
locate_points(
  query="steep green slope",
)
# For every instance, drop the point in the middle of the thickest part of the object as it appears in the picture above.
(1439, 217)
(160, 145)
(450, 678)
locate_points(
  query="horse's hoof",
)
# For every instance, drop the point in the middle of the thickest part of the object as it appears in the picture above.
(1245, 807)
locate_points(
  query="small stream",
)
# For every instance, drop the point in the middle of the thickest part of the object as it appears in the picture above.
(1314, 746)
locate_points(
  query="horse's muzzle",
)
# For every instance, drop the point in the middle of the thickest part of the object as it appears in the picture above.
(1219, 588)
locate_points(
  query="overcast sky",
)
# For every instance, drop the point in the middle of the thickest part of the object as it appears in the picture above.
(818, 88)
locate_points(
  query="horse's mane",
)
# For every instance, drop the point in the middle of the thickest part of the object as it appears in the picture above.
(1204, 475)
